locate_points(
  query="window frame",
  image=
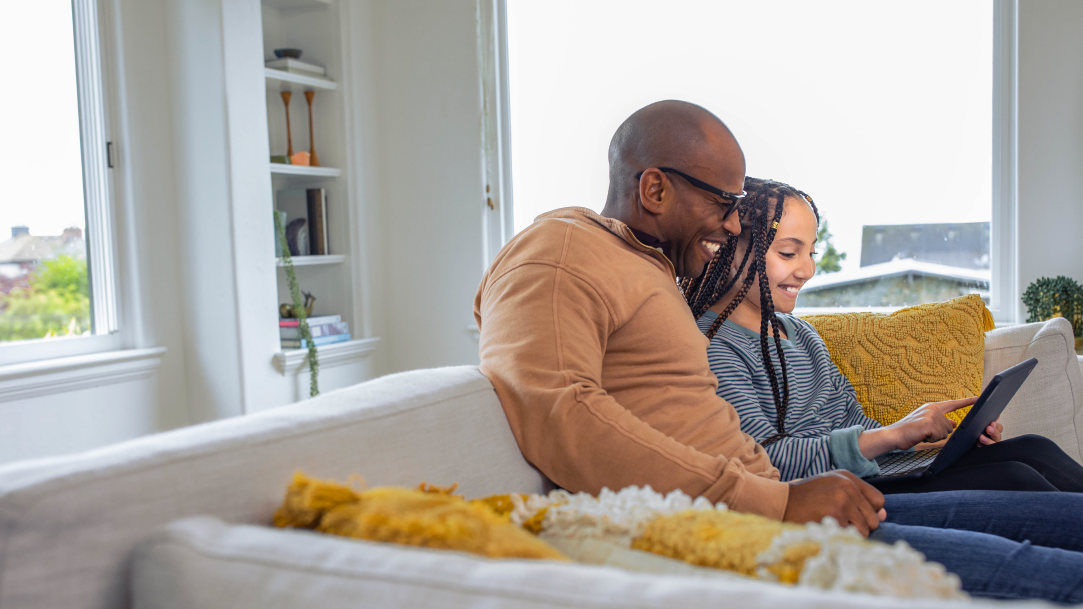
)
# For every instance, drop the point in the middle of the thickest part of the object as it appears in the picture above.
(98, 200)
(498, 208)
(1004, 294)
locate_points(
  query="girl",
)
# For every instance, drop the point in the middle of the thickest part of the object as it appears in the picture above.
(793, 399)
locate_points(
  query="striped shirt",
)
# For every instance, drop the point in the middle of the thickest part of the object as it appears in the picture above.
(823, 418)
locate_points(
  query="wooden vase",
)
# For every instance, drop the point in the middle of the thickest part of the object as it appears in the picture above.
(286, 95)
(313, 159)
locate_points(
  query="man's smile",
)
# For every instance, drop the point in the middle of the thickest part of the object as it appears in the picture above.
(711, 246)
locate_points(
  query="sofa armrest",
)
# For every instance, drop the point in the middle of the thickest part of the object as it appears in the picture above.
(1050, 402)
(68, 524)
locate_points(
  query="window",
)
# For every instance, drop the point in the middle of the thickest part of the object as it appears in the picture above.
(57, 263)
(886, 113)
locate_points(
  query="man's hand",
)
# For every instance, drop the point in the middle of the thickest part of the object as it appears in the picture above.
(927, 423)
(992, 434)
(838, 494)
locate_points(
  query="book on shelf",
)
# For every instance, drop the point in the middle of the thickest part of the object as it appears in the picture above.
(322, 340)
(318, 330)
(319, 320)
(317, 221)
(296, 66)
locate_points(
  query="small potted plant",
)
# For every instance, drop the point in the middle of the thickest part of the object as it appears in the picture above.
(1061, 297)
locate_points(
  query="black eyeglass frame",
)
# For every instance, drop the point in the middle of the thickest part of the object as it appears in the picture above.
(734, 199)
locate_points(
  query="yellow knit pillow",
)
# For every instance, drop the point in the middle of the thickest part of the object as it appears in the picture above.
(897, 362)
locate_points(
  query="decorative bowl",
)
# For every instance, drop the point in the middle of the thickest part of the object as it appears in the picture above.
(294, 53)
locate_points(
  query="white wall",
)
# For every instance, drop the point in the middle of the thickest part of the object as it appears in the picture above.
(1050, 140)
(424, 121)
(203, 207)
(80, 420)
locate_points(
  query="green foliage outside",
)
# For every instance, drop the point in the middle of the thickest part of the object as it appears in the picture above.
(829, 256)
(1061, 297)
(57, 303)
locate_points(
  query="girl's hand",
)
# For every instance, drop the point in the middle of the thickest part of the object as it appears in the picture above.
(927, 423)
(992, 434)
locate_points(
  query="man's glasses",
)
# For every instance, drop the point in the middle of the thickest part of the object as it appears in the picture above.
(734, 200)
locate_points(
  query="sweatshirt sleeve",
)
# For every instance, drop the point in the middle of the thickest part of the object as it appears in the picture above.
(543, 339)
(794, 457)
(846, 453)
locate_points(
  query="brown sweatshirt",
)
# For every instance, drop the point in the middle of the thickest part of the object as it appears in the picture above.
(603, 373)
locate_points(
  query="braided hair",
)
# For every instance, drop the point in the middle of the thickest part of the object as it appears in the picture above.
(760, 212)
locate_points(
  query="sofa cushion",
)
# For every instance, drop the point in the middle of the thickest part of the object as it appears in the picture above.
(1050, 402)
(897, 362)
(202, 562)
(68, 524)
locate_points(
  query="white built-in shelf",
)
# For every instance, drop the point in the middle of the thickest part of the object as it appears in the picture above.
(294, 361)
(305, 170)
(295, 3)
(275, 78)
(313, 260)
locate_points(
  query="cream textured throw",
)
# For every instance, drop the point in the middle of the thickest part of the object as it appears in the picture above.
(823, 555)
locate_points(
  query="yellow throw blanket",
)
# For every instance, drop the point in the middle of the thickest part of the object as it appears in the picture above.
(632, 520)
(411, 517)
(724, 540)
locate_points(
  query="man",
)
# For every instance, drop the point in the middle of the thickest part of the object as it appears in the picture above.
(595, 356)
(604, 378)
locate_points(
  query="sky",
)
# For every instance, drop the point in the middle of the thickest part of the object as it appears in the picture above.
(881, 111)
(40, 159)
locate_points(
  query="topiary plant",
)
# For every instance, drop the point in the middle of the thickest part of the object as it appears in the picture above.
(1061, 297)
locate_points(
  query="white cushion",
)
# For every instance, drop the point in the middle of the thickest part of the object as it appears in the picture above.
(202, 562)
(1050, 402)
(68, 524)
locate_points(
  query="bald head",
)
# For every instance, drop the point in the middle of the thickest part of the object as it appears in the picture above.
(672, 134)
(690, 215)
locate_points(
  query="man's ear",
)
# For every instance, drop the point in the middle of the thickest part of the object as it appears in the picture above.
(654, 190)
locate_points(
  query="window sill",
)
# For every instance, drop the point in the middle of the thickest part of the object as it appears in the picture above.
(59, 375)
(19, 352)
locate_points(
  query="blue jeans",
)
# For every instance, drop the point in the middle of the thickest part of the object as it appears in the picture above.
(1001, 544)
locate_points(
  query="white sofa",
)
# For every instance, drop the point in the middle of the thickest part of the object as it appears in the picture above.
(89, 530)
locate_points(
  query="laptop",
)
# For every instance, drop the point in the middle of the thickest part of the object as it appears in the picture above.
(991, 403)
